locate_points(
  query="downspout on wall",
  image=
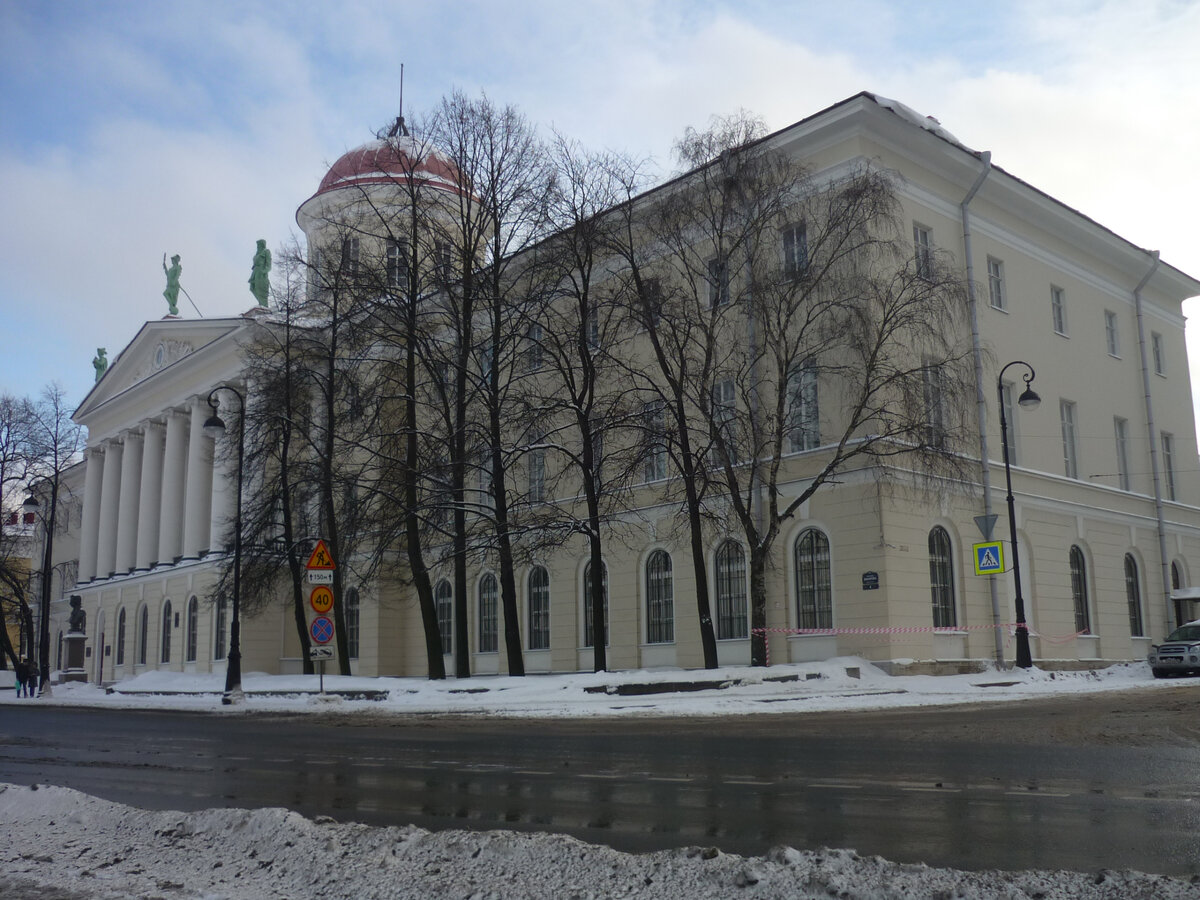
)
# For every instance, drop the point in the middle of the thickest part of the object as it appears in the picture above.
(1152, 433)
(980, 393)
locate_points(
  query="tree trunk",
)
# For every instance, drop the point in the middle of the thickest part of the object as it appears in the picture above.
(758, 606)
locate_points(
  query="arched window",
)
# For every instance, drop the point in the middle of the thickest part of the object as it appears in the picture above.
(589, 637)
(143, 636)
(219, 628)
(539, 609)
(660, 599)
(193, 626)
(443, 599)
(352, 622)
(941, 579)
(121, 637)
(1176, 577)
(1079, 591)
(165, 656)
(732, 619)
(814, 593)
(1133, 593)
(488, 626)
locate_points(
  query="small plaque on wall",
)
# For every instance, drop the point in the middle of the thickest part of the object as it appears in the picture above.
(870, 581)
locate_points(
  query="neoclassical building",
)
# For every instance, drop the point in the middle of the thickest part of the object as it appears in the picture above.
(1104, 471)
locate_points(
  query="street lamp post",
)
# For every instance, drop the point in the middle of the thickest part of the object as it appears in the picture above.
(43, 642)
(1028, 399)
(215, 427)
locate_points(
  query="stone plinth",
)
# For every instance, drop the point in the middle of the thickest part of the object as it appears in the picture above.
(74, 670)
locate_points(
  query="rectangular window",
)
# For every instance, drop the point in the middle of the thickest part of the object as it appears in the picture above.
(1010, 420)
(795, 250)
(1121, 432)
(1160, 359)
(350, 257)
(804, 428)
(718, 282)
(397, 264)
(935, 411)
(1066, 411)
(534, 355)
(442, 258)
(593, 326)
(996, 283)
(1058, 310)
(725, 419)
(652, 300)
(924, 251)
(654, 422)
(487, 499)
(1111, 338)
(1168, 450)
(537, 476)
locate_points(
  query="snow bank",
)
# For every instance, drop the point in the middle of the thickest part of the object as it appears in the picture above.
(96, 849)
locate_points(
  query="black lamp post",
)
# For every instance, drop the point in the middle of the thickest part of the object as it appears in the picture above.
(215, 427)
(1028, 399)
(43, 642)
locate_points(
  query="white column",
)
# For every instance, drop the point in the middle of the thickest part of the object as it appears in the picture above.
(127, 506)
(91, 514)
(197, 505)
(224, 484)
(170, 521)
(150, 495)
(110, 495)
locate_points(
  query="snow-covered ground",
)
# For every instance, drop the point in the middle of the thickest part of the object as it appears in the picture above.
(62, 845)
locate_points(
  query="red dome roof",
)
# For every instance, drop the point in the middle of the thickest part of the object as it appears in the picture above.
(389, 160)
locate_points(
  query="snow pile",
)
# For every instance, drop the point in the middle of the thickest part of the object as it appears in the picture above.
(844, 683)
(96, 849)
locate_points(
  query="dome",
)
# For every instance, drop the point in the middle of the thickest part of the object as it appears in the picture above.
(388, 161)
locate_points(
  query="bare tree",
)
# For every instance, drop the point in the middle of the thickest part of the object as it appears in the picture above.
(16, 462)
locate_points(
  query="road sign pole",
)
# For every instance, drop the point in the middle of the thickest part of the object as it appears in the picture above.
(322, 677)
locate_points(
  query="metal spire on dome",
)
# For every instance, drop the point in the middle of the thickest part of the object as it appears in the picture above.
(398, 127)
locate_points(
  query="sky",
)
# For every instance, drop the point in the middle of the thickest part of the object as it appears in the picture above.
(130, 130)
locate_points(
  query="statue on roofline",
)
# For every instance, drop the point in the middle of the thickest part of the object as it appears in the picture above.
(171, 292)
(260, 284)
(100, 363)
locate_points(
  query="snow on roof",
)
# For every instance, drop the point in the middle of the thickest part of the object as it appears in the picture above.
(929, 123)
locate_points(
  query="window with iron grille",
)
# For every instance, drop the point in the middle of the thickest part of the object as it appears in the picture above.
(814, 591)
(660, 599)
(941, 579)
(1133, 594)
(1079, 591)
(539, 609)
(488, 627)
(444, 602)
(732, 609)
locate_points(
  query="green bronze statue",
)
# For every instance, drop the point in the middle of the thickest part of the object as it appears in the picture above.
(260, 284)
(100, 363)
(171, 292)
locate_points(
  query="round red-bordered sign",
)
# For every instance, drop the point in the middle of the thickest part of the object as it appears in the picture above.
(321, 629)
(321, 599)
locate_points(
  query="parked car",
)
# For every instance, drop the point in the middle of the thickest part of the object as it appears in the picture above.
(1179, 654)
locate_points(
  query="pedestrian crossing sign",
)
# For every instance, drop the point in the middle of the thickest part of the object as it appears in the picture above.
(989, 558)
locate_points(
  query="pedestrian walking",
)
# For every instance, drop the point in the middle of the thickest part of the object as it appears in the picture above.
(21, 669)
(31, 679)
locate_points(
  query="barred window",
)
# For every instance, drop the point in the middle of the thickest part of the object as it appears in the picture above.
(193, 625)
(941, 579)
(165, 654)
(219, 626)
(539, 609)
(732, 611)
(444, 601)
(589, 637)
(814, 593)
(352, 623)
(488, 628)
(660, 599)
(121, 637)
(1079, 591)
(1133, 594)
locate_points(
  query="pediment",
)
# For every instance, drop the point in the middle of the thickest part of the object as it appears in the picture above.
(159, 350)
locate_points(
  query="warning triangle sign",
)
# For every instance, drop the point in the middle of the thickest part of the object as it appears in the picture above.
(320, 558)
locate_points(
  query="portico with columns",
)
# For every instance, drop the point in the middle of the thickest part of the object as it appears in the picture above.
(158, 502)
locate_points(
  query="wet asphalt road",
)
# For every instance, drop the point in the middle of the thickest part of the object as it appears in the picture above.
(994, 786)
